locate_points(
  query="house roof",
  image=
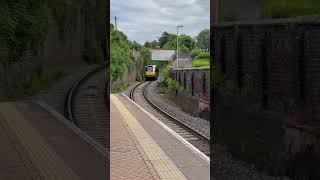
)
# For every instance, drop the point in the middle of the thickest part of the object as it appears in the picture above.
(162, 55)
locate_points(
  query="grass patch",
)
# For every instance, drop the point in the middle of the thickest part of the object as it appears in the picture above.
(28, 86)
(121, 87)
(201, 63)
(289, 8)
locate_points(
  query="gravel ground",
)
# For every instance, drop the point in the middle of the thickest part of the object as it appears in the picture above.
(128, 90)
(55, 96)
(197, 124)
(226, 167)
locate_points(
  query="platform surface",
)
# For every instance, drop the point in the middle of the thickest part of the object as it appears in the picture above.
(147, 148)
(35, 145)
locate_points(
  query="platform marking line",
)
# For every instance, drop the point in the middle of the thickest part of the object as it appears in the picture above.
(193, 149)
(44, 159)
(163, 165)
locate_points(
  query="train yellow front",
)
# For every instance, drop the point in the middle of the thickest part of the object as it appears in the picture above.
(151, 72)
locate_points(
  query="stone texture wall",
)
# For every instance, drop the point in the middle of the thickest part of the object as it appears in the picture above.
(281, 59)
(195, 98)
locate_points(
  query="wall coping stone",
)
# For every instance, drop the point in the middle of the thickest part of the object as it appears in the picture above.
(200, 68)
(270, 22)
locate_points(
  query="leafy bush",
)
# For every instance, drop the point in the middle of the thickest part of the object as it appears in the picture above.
(32, 84)
(201, 63)
(172, 85)
(186, 43)
(121, 56)
(120, 87)
(289, 8)
(195, 52)
(203, 55)
(169, 84)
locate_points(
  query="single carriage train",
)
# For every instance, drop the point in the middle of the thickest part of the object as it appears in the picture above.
(151, 72)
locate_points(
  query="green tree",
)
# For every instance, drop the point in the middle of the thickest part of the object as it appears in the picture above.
(203, 40)
(186, 43)
(154, 44)
(121, 56)
(166, 37)
(147, 44)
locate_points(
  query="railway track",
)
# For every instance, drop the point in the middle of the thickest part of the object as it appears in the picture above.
(139, 95)
(86, 107)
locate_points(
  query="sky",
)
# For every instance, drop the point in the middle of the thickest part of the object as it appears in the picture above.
(145, 20)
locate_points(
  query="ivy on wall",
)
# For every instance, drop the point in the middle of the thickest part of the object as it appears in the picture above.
(24, 27)
(121, 56)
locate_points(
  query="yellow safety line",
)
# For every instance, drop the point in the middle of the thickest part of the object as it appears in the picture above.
(163, 165)
(35, 148)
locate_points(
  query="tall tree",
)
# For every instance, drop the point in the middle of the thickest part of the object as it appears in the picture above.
(147, 44)
(165, 37)
(154, 44)
(186, 43)
(203, 40)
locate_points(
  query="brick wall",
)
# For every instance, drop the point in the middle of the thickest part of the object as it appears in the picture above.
(282, 59)
(195, 83)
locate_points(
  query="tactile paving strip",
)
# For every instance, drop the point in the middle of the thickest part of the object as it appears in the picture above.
(163, 165)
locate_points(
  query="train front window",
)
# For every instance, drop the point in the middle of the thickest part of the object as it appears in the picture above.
(150, 69)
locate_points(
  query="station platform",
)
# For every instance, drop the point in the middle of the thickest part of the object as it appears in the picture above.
(142, 147)
(38, 143)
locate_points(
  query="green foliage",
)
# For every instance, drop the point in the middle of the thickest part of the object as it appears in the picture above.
(154, 44)
(147, 44)
(201, 60)
(186, 43)
(30, 85)
(121, 87)
(201, 63)
(172, 85)
(203, 40)
(289, 8)
(195, 52)
(166, 37)
(121, 56)
(169, 84)
(184, 49)
(23, 28)
(203, 55)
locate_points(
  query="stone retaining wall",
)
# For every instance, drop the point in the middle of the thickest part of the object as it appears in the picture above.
(281, 59)
(195, 98)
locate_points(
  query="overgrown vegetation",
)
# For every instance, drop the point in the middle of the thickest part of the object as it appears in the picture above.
(29, 86)
(24, 26)
(186, 43)
(289, 8)
(201, 63)
(121, 57)
(250, 132)
(202, 59)
(169, 84)
(121, 87)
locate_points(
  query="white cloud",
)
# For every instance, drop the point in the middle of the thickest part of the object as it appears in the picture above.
(145, 20)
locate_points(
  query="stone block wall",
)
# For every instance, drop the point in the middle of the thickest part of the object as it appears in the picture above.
(281, 57)
(195, 97)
